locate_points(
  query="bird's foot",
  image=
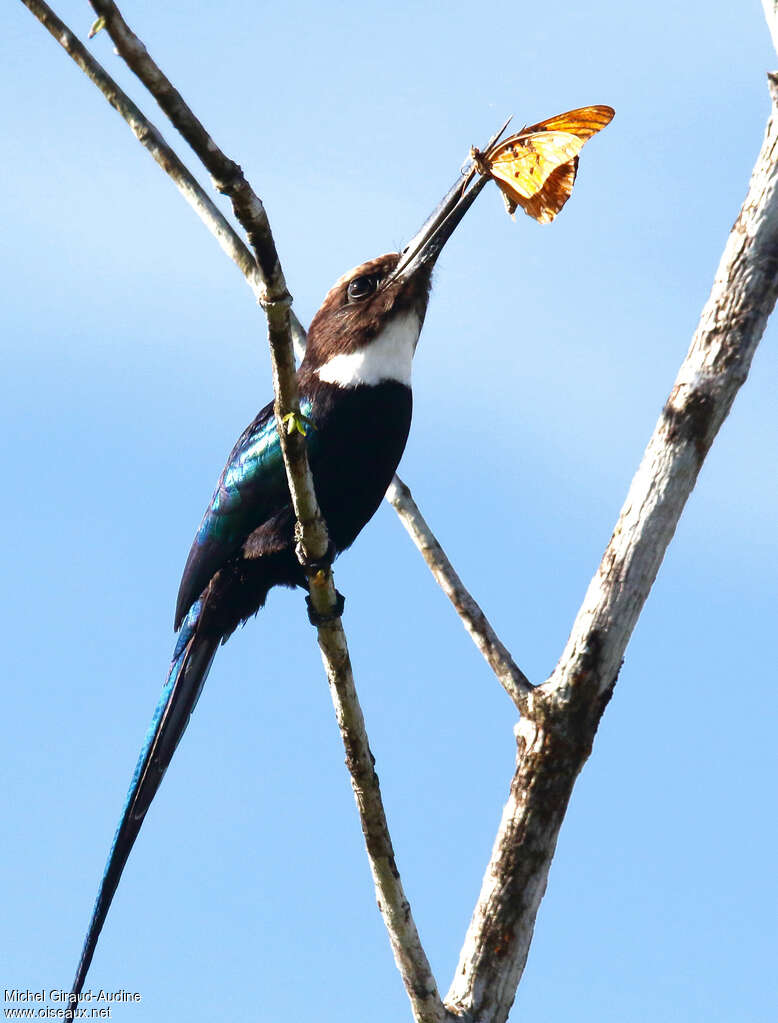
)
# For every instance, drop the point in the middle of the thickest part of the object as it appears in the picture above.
(312, 565)
(317, 619)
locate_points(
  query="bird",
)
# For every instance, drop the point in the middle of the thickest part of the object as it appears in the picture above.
(355, 411)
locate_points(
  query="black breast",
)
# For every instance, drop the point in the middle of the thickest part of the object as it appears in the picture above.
(361, 437)
(359, 440)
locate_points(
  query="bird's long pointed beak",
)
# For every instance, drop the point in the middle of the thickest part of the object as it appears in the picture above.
(426, 245)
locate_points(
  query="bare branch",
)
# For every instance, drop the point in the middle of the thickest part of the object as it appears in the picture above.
(152, 140)
(227, 175)
(250, 212)
(408, 952)
(770, 8)
(511, 677)
(560, 719)
(554, 742)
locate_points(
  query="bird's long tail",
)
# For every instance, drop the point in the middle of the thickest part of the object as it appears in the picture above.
(188, 671)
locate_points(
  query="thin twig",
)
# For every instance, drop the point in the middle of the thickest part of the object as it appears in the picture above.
(151, 139)
(227, 175)
(511, 677)
(556, 738)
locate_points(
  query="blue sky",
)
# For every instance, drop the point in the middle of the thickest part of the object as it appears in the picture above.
(134, 355)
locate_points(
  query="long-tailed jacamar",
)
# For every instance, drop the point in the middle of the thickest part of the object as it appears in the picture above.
(355, 394)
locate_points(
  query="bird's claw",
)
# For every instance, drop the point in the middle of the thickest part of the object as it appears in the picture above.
(312, 565)
(317, 618)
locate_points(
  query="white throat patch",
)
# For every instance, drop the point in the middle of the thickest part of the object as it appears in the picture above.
(387, 357)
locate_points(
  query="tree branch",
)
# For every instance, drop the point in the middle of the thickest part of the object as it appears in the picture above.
(406, 945)
(151, 139)
(770, 8)
(560, 719)
(227, 176)
(555, 740)
(267, 280)
(511, 677)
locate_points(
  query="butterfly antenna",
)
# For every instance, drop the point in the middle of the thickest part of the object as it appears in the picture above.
(469, 168)
(495, 138)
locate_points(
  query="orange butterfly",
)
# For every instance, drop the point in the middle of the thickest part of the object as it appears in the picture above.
(536, 168)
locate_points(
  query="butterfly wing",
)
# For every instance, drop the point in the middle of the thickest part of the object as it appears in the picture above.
(545, 204)
(536, 168)
(582, 122)
(525, 161)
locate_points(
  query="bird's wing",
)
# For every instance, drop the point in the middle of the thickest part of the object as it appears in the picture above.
(251, 488)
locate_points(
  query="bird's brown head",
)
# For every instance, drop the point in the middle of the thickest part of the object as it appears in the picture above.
(362, 306)
(367, 328)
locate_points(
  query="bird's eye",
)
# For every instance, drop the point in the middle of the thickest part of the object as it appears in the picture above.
(361, 287)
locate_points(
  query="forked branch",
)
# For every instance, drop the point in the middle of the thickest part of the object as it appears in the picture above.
(229, 179)
(510, 676)
(151, 139)
(554, 744)
(560, 718)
